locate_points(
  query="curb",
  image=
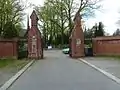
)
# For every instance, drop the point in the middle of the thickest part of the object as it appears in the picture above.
(114, 78)
(15, 77)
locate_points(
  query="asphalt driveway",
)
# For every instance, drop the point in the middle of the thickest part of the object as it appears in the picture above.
(59, 72)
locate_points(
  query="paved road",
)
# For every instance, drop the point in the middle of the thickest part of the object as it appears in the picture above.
(59, 72)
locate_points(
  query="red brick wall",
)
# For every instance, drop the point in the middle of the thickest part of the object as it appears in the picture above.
(8, 48)
(106, 46)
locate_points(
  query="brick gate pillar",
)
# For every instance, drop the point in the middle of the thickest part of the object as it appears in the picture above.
(77, 38)
(35, 50)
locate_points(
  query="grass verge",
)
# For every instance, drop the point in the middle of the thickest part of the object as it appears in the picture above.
(109, 56)
(11, 63)
(9, 67)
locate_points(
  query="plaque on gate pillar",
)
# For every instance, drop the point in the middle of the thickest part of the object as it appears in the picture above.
(78, 42)
(34, 46)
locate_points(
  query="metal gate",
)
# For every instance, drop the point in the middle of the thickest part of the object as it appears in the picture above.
(88, 47)
(22, 49)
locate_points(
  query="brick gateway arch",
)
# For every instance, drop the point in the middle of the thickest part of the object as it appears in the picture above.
(34, 38)
(35, 48)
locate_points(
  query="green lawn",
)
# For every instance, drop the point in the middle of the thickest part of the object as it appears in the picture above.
(109, 56)
(8, 63)
(9, 67)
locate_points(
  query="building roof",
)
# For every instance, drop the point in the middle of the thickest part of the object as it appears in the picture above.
(8, 40)
(107, 38)
(77, 15)
(34, 15)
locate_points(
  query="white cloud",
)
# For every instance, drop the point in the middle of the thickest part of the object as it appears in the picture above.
(29, 10)
(109, 15)
(35, 2)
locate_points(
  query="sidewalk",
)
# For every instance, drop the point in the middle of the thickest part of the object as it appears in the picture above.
(111, 65)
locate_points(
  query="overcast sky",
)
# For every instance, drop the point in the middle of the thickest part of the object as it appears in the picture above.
(109, 14)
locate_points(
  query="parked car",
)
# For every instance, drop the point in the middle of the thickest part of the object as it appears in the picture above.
(66, 50)
(49, 47)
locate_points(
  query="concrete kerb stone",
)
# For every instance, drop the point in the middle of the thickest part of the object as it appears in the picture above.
(16, 76)
(114, 78)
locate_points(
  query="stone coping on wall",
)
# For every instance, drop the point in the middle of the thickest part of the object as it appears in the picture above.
(8, 40)
(107, 38)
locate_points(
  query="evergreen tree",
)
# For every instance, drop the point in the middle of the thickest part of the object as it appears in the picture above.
(88, 33)
(99, 30)
(10, 30)
(95, 29)
(117, 32)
